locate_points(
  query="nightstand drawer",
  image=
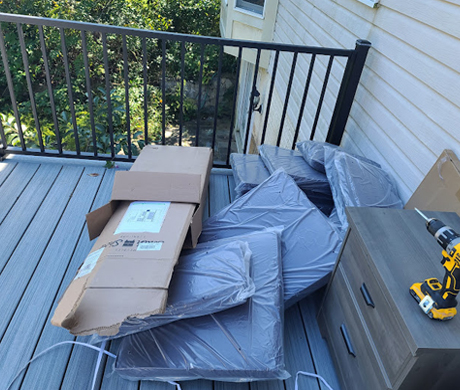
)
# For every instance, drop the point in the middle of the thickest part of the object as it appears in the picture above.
(383, 327)
(352, 350)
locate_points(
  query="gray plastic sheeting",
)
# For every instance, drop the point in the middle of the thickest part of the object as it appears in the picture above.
(248, 171)
(240, 344)
(313, 183)
(313, 153)
(356, 183)
(204, 281)
(310, 243)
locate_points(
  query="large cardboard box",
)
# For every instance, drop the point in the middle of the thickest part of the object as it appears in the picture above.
(155, 210)
(440, 189)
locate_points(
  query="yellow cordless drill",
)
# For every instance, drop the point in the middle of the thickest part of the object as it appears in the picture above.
(436, 300)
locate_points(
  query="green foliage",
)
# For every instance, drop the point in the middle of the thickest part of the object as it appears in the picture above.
(180, 16)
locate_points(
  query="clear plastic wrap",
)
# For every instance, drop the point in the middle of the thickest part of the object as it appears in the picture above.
(335, 221)
(248, 171)
(356, 183)
(240, 344)
(204, 281)
(313, 183)
(313, 153)
(309, 241)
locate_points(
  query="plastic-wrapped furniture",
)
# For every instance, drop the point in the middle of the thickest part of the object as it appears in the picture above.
(310, 243)
(248, 171)
(240, 344)
(205, 281)
(313, 153)
(356, 183)
(313, 183)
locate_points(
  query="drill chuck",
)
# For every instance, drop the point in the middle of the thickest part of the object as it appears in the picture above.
(445, 235)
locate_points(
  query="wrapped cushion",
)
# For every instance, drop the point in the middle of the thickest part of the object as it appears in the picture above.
(313, 183)
(240, 344)
(356, 183)
(248, 171)
(310, 242)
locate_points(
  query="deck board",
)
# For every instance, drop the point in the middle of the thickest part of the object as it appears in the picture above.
(13, 186)
(297, 353)
(6, 168)
(33, 243)
(218, 187)
(318, 346)
(44, 238)
(18, 219)
(41, 291)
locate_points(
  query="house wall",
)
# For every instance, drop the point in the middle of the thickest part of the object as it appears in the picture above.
(407, 107)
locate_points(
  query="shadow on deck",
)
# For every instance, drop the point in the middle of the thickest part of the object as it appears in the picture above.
(43, 241)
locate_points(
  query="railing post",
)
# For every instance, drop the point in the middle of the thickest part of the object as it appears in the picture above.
(2, 140)
(350, 81)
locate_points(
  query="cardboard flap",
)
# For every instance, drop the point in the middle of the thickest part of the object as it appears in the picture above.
(97, 219)
(157, 186)
(132, 273)
(103, 310)
(440, 189)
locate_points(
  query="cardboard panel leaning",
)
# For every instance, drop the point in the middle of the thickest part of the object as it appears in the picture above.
(155, 210)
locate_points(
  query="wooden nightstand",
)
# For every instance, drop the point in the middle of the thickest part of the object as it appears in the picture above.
(378, 336)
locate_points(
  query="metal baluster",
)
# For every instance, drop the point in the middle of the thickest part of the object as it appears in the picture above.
(200, 89)
(304, 99)
(128, 115)
(216, 108)
(25, 61)
(235, 95)
(181, 115)
(89, 91)
(251, 101)
(146, 96)
(69, 90)
(288, 95)
(2, 138)
(270, 95)
(321, 98)
(107, 94)
(9, 81)
(50, 88)
(163, 92)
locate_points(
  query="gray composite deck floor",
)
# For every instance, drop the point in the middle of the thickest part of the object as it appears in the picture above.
(43, 240)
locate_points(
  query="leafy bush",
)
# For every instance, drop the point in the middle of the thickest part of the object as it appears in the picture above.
(181, 16)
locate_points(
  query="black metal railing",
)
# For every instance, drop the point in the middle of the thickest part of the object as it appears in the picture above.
(80, 121)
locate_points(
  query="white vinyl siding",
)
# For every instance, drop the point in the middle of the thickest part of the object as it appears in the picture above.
(407, 107)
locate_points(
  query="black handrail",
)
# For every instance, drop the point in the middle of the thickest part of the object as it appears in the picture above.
(354, 65)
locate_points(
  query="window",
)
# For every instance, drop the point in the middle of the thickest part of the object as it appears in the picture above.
(256, 6)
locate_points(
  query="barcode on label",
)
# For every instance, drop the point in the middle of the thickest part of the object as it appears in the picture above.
(150, 246)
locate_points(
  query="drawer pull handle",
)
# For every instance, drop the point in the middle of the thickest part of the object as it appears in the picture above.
(346, 339)
(367, 296)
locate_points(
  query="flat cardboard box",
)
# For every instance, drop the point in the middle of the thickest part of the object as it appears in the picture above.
(440, 189)
(128, 270)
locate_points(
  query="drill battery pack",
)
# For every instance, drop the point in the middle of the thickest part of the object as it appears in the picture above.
(421, 293)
